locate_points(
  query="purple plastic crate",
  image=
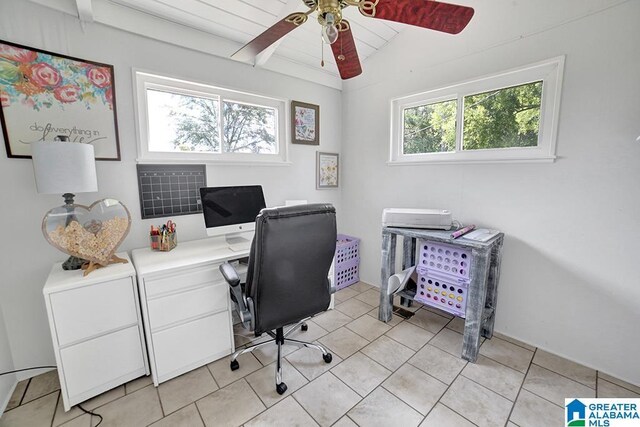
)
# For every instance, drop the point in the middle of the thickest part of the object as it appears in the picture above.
(443, 258)
(442, 291)
(346, 273)
(347, 248)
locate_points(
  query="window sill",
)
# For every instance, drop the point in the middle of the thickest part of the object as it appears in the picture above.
(483, 160)
(213, 161)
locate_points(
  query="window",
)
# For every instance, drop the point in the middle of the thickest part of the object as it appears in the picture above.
(507, 117)
(502, 118)
(429, 128)
(185, 121)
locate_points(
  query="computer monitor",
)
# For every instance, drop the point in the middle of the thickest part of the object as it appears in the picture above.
(232, 211)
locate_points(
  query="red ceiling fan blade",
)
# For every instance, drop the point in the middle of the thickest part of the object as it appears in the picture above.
(270, 36)
(431, 14)
(344, 50)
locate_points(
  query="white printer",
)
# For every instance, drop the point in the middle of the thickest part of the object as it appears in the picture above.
(417, 218)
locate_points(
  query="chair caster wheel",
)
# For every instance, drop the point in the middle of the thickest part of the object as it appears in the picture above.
(281, 388)
(327, 357)
(234, 365)
(304, 327)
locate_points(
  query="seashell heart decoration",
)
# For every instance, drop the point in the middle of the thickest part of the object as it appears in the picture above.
(89, 232)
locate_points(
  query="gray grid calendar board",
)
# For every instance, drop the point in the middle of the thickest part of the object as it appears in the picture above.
(169, 190)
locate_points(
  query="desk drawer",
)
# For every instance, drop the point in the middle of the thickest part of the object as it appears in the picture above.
(85, 312)
(192, 343)
(102, 360)
(176, 280)
(174, 308)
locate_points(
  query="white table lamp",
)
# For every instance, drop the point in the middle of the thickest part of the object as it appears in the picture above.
(65, 168)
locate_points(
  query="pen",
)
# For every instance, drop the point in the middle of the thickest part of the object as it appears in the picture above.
(462, 231)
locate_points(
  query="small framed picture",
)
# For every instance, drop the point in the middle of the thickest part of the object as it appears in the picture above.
(47, 96)
(327, 170)
(305, 123)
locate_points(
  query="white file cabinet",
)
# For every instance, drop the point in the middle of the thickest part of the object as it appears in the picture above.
(96, 329)
(186, 306)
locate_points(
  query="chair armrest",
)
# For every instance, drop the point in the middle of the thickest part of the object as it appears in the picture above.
(244, 311)
(230, 274)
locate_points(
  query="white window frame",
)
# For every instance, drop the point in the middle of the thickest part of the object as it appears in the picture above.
(550, 72)
(144, 80)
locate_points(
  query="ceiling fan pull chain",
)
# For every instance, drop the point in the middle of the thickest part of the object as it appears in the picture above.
(322, 50)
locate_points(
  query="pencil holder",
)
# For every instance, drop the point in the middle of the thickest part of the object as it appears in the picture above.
(164, 243)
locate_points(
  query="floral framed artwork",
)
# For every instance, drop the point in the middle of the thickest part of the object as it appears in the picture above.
(305, 123)
(45, 95)
(327, 170)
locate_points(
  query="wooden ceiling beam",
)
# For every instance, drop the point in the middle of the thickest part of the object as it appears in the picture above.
(85, 10)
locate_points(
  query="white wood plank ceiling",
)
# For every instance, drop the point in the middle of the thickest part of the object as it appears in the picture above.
(220, 27)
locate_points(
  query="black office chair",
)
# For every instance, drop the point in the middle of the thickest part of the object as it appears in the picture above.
(287, 281)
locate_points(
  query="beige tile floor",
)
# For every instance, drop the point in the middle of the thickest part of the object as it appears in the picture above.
(403, 373)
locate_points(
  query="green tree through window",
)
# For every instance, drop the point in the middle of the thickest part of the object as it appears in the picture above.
(502, 118)
(195, 122)
(246, 128)
(430, 128)
(508, 117)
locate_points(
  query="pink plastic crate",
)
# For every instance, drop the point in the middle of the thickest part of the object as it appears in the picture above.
(347, 248)
(346, 273)
(443, 258)
(442, 291)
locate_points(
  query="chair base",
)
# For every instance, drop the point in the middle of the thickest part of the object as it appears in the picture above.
(280, 338)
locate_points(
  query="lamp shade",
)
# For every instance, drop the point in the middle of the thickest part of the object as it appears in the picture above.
(64, 167)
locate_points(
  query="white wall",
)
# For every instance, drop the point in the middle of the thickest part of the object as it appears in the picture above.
(27, 258)
(569, 279)
(569, 282)
(6, 364)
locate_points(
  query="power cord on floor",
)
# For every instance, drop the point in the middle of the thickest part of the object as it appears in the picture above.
(93, 414)
(27, 369)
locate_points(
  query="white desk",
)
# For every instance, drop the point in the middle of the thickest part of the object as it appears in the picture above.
(185, 305)
(96, 329)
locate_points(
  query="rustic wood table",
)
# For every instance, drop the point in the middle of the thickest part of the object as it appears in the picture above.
(483, 285)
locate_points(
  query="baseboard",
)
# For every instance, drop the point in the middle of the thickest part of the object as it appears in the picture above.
(4, 401)
(25, 375)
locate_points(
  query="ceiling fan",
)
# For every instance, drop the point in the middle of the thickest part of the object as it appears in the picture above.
(336, 31)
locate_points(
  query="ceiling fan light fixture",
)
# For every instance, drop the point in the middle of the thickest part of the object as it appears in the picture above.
(329, 34)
